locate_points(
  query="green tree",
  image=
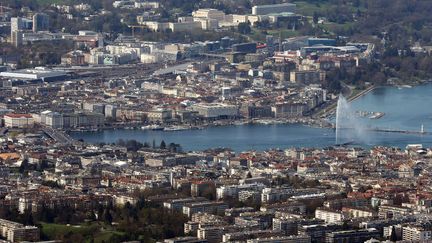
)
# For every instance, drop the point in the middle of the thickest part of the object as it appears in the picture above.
(107, 216)
(162, 145)
(315, 17)
(244, 28)
(393, 236)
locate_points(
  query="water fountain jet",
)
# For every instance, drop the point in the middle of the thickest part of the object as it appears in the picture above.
(349, 129)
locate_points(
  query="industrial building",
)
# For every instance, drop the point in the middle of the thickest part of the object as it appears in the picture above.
(36, 74)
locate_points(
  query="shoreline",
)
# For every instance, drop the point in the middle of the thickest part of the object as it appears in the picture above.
(316, 123)
(317, 120)
(362, 93)
(328, 111)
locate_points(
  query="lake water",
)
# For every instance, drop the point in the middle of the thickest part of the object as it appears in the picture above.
(405, 109)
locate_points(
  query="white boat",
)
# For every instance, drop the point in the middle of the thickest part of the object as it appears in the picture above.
(175, 128)
(377, 115)
(152, 127)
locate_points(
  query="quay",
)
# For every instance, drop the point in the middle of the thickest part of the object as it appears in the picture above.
(401, 131)
(326, 112)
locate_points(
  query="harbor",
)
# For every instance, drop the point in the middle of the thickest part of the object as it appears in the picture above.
(401, 125)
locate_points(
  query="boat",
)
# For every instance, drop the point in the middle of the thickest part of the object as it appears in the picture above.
(175, 128)
(240, 123)
(377, 115)
(152, 127)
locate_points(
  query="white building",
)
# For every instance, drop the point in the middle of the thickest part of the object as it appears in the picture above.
(16, 232)
(273, 9)
(272, 195)
(208, 13)
(329, 216)
(284, 239)
(216, 110)
(184, 26)
(416, 234)
(53, 119)
(234, 190)
(204, 207)
(38, 73)
(18, 120)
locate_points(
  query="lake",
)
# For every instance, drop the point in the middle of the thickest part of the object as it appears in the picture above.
(404, 108)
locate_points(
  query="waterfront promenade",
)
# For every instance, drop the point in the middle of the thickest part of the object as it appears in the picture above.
(326, 112)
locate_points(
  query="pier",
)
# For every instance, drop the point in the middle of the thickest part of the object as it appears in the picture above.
(421, 132)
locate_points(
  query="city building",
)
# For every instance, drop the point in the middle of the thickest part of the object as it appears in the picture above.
(40, 22)
(204, 207)
(16, 232)
(209, 14)
(36, 74)
(273, 9)
(354, 236)
(416, 233)
(13, 120)
(284, 239)
(216, 110)
(329, 216)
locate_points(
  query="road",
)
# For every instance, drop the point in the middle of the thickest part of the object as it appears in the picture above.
(58, 136)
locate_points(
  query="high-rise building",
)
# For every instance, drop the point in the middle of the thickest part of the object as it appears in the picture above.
(16, 24)
(40, 22)
(17, 38)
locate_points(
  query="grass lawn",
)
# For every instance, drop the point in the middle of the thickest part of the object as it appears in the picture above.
(106, 235)
(92, 231)
(308, 9)
(257, 35)
(49, 2)
(330, 26)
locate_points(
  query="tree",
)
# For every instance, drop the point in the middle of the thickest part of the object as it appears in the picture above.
(315, 17)
(393, 236)
(162, 145)
(28, 218)
(107, 216)
(24, 166)
(244, 28)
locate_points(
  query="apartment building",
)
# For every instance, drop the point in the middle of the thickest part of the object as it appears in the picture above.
(414, 233)
(329, 216)
(16, 232)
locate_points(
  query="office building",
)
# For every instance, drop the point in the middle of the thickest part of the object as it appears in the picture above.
(40, 22)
